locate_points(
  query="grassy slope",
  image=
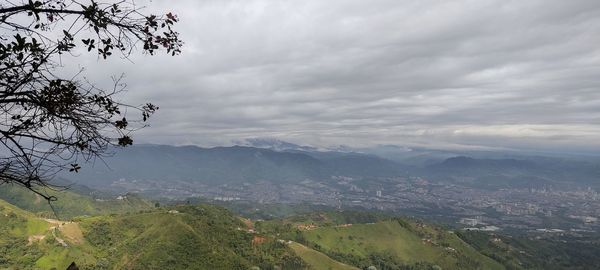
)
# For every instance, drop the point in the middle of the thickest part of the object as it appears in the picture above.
(18, 222)
(552, 252)
(317, 260)
(408, 245)
(30, 241)
(197, 237)
(165, 238)
(202, 237)
(69, 204)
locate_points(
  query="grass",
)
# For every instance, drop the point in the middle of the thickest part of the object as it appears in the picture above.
(37, 247)
(72, 233)
(209, 237)
(409, 245)
(69, 204)
(362, 239)
(37, 226)
(318, 260)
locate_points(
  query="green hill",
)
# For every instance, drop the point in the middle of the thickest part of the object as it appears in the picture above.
(185, 237)
(366, 239)
(410, 244)
(318, 260)
(70, 204)
(191, 237)
(18, 228)
(538, 252)
(211, 237)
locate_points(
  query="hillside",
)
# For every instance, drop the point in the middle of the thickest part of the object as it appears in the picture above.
(71, 204)
(390, 242)
(543, 253)
(318, 260)
(366, 239)
(185, 237)
(210, 237)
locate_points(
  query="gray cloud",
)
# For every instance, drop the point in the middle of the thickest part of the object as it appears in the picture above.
(484, 73)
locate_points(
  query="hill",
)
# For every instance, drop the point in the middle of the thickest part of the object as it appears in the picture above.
(543, 252)
(318, 260)
(397, 242)
(71, 204)
(184, 237)
(362, 239)
(210, 237)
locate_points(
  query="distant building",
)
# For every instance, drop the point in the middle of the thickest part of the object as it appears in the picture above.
(469, 221)
(484, 229)
(590, 219)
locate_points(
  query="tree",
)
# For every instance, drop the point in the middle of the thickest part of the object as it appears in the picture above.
(49, 123)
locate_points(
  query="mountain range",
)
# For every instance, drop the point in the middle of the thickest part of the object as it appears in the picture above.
(247, 164)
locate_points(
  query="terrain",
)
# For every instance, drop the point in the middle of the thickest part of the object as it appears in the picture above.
(517, 192)
(205, 236)
(282, 206)
(184, 237)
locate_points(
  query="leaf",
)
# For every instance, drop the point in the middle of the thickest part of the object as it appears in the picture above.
(74, 167)
(67, 34)
(125, 141)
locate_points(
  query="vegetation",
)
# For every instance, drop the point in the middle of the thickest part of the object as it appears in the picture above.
(396, 243)
(71, 204)
(547, 253)
(50, 122)
(318, 260)
(210, 237)
(185, 237)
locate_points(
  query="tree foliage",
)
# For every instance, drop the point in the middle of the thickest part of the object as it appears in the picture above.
(50, 123)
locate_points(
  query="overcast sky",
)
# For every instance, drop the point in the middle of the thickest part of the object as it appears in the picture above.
(507, 74)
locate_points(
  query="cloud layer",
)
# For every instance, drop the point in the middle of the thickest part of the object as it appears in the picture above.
(481, 73)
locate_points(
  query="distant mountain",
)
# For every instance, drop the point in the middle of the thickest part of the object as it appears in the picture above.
(467, 164)
(195, 166)
(222, 165)
(363, 165)
(207, 165)
(408, 155)
(526, 172)
(274, 144)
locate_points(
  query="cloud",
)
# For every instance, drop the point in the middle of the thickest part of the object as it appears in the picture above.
(488, 73)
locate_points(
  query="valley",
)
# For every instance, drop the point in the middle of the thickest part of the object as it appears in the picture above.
(143, 235)
(526, 195)
(253, 208)
(299, 135)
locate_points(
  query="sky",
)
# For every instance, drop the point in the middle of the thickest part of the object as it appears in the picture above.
(449, 74)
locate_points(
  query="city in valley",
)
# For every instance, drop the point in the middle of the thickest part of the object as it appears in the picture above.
(532, 210)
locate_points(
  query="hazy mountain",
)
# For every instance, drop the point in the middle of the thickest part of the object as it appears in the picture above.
(243, 164)
(274, 144)
(234, 164)
(526, 172)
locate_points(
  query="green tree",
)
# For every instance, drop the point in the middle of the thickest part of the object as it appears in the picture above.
(49, 123)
